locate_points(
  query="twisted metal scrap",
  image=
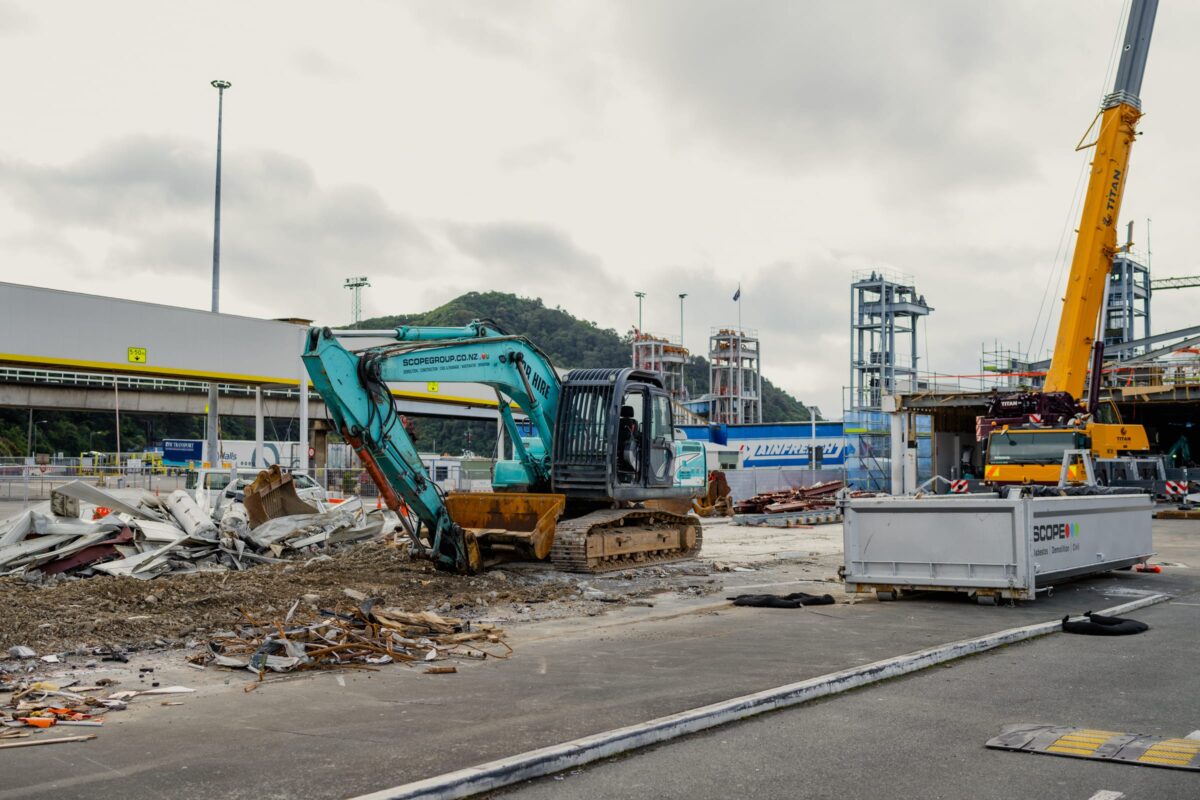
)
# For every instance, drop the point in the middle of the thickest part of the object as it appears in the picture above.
(359, 638)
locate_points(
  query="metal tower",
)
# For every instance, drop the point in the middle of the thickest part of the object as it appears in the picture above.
(735, 376)
(662, 356)
(884, 309)
(356, 285)
(1127, 310)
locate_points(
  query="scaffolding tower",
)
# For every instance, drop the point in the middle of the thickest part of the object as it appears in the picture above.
(734, 376)
(1006, 368)
(664, 357)
(884, 309)
(1127, 310)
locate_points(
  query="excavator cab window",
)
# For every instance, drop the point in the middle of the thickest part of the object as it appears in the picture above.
(662, 434)
(630, 436)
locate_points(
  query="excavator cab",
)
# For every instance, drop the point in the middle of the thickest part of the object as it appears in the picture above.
(614, 438)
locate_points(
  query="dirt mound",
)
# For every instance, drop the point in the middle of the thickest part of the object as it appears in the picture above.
(169, 611)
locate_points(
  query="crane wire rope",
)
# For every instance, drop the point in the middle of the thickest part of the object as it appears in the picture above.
(1057, 274)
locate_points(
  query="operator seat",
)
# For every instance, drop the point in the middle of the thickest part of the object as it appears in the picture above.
(629, 443)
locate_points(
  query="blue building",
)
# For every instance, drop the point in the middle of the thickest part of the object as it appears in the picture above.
(776, 444)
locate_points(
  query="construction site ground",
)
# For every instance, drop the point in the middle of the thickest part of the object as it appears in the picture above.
(589, 654)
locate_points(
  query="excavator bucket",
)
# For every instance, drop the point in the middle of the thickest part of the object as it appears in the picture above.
(273, 494)
(508, 525)
(716, 500)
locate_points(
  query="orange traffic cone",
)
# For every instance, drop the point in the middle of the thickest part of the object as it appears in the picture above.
(378, 503)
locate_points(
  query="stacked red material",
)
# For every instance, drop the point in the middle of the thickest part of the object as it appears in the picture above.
(817, 497)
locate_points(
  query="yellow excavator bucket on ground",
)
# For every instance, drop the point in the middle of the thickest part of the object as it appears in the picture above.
(508, 525)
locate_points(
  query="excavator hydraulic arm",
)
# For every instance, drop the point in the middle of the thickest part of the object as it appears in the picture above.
(458, 533)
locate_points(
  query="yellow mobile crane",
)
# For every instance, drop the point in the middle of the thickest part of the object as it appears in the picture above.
(1028, 432)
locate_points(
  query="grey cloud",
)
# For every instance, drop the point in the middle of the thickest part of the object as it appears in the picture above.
(283, 233)
(12, 19)
(798, 84)
(43, 243)
(526, 252)
(120, 181)
(313, 62)
(502, 32)
(548, 151)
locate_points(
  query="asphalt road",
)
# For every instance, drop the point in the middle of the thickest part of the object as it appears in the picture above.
(922, 736)
(329, 735)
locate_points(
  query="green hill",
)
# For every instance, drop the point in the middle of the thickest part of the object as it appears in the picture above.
(572, 342)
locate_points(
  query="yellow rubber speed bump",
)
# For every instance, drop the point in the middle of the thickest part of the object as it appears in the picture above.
(1129, 748)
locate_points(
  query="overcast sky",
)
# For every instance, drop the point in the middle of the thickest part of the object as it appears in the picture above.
(580, 151)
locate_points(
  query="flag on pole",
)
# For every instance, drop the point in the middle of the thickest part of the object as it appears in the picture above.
(738, 294)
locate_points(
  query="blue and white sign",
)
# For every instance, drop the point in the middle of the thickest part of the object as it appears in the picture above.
(776, 444)
(178, 452)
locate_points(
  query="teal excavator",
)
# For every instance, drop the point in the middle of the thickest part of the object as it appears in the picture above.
(589, 489)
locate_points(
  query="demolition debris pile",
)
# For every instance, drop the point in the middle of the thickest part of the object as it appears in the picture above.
(365, 635)
(818, 497)
(84, 531)
(179, 610)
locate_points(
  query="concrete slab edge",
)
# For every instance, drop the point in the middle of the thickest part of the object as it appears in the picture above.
(556, 758)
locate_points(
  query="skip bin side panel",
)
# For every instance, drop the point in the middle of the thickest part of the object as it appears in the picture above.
(1074, 536)
(955, 543)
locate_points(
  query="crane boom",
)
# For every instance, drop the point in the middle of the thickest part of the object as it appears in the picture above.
(1097, 239)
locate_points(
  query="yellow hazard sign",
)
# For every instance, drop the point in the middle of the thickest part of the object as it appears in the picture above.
(431, 387)
(137, 355)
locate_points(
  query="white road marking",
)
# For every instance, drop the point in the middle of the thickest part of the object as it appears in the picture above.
(1107, 794)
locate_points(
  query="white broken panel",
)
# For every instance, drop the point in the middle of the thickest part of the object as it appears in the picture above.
(113, 500)
(40, 544)
(164, 532)
(14, 529)
(142, 565)
(50, 524)
(194, 521)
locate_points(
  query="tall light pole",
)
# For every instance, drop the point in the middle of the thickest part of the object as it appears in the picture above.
(213, 455)
(681, 296)
(355, 285)
(683, 367)
(640, 296)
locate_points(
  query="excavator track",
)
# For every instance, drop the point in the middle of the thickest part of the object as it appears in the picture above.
(624, 538)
